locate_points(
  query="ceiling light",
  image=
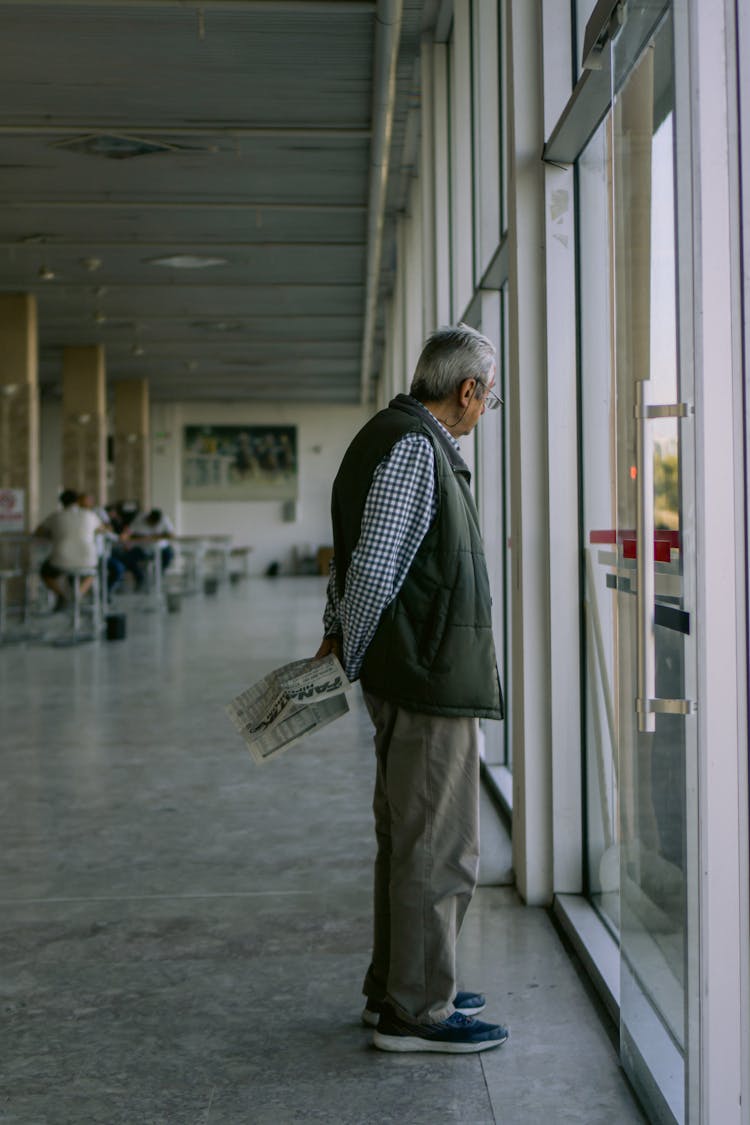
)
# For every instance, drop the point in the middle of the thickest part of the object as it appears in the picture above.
(100, 318)
(45, 273)
(188, 262)
(112, 146)
(137, 349)
(91, 264)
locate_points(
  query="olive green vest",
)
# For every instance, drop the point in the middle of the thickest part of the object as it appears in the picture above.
(433, 649)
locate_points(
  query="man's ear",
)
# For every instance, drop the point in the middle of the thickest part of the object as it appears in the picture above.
(466, 391)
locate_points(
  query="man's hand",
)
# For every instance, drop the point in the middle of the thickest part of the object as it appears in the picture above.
(329, 645)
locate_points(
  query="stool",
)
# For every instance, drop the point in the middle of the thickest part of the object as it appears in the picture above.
(76, 636)
(5, 577)
(240, 555)
(154, 600)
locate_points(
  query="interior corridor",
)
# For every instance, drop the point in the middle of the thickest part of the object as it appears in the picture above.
(183, 933)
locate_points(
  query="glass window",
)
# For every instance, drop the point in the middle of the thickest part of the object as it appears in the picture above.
(486, 134)
(461, 202)
(492, 493)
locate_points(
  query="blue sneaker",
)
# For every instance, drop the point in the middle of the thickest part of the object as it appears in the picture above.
(467, 1003)
(458, 1035)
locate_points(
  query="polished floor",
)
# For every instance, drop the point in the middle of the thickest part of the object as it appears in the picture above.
(183, 933)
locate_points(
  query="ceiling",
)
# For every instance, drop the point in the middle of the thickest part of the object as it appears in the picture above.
(237, 130)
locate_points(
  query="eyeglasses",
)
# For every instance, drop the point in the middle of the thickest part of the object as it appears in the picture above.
(491, 401)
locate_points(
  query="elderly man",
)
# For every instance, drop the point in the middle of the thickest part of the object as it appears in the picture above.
(409, 613)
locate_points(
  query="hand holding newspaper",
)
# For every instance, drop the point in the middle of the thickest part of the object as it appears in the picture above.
(289, 703)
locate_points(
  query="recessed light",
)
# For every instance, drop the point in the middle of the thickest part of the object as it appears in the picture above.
(188, 262)
(46, 274)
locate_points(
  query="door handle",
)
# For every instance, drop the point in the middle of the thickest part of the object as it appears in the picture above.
(646, 704)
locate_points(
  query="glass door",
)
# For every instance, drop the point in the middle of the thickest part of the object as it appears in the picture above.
(637, 561)
(655, 633)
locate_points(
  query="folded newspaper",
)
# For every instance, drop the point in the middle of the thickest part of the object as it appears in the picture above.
(288, 704)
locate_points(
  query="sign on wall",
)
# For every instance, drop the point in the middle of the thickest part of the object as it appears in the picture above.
(239, 463)
(12, 510)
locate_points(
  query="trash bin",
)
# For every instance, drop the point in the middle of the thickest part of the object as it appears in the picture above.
(115, 623)
(174, 601)
(210, 584)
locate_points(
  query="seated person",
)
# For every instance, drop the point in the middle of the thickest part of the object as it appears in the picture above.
(73, 531)
(115, 565)
(151, 527)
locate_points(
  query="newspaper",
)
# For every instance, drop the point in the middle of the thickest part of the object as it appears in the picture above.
(288, 704)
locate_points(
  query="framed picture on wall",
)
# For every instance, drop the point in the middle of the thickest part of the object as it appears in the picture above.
(239, 463)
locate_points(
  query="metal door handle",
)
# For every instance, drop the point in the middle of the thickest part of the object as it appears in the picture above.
(646, 704)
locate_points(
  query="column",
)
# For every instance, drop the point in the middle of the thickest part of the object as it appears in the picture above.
(132, 475)
(84, 421)
(19, 401)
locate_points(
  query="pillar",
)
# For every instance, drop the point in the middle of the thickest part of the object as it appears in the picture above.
(84, 421)
(132, 475)
(19, 401)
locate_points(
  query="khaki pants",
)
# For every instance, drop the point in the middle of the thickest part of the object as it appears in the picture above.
(426, 809)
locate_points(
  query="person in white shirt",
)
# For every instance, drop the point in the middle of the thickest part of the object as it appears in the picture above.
(149, 527)
(73, 532)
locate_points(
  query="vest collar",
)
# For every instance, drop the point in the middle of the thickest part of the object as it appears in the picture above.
(412, 406)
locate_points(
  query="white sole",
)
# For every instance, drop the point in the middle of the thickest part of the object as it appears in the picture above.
(372, 1019)
(415, 1043)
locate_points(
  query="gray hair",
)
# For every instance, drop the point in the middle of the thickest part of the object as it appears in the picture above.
(449, 356)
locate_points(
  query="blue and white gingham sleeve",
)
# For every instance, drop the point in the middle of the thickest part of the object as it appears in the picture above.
(400, 507)
(331, 615)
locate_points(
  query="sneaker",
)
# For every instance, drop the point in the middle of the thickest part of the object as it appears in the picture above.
(458, 1035)
(467, 1003)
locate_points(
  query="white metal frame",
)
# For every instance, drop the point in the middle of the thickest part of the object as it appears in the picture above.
(528, 389)
(721, 582)
(562, 438)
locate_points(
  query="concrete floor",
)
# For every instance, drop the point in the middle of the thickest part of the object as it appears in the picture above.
(183, 933)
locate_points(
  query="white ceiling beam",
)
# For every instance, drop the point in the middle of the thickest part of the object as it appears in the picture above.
(52, 242)
(303, 7)
(208, 129)
(174, 205)
(178, 284)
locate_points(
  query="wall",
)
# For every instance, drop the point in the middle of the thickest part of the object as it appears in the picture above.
(323, 433)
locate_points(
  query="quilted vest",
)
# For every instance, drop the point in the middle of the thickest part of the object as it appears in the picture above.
(433, 649)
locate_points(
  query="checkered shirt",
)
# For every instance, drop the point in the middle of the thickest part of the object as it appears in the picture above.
(399, 509)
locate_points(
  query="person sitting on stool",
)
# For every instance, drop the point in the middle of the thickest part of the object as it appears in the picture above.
(73, 532)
